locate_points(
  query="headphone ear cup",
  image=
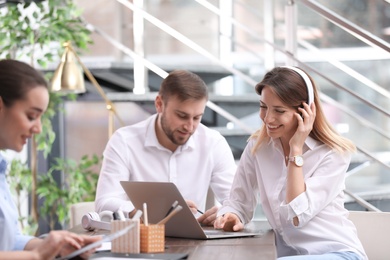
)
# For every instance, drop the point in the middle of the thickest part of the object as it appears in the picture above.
(106, 216)
(88, 220)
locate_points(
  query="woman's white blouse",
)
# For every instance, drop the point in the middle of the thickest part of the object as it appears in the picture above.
(323, 220)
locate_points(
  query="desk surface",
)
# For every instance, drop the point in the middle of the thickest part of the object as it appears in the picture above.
(258, 247)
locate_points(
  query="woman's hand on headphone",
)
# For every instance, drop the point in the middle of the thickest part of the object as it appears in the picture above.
(305, 118)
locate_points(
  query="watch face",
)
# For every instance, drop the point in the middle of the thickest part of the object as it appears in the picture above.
(298, 160)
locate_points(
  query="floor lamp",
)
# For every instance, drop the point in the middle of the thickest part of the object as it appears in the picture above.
(68, 78)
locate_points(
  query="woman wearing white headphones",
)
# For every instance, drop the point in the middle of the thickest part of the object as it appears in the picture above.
(24, 98)
(296, 163)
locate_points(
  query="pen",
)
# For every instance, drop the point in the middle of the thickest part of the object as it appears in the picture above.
(199, 211)
(145, 214)
(170, 215)
(174, 204)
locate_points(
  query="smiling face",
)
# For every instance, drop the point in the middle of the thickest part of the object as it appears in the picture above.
(22, 119)
(279, 119)
(177, 120)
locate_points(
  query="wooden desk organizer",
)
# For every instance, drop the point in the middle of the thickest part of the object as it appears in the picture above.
(152, 238)
(129, 242)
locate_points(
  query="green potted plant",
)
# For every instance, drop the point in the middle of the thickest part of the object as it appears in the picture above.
(37, 31)
(78, 185)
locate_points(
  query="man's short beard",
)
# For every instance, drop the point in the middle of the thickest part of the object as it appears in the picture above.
(169, 133)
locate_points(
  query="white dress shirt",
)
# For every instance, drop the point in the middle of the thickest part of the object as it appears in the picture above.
(134, 154)
(323, 223)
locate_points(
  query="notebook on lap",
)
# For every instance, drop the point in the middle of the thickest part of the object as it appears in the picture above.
(159, 197)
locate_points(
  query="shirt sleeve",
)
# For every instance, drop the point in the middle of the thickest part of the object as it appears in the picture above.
(224, 170)
(21, 241)
(11, 237)
(323, 185)
(243, 195)
(109, 193)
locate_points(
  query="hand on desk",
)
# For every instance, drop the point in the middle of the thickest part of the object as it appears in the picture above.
(228, 222)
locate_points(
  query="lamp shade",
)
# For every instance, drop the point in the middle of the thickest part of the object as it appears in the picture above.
(67, 77)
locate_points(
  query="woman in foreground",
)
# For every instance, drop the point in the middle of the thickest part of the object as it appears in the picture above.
(24, 98)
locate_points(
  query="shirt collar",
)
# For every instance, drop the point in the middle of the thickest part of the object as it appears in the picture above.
(310, 143)
(151, 137)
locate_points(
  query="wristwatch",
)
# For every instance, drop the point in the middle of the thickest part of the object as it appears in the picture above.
(297, 159)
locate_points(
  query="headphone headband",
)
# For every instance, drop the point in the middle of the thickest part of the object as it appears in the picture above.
(309, 85)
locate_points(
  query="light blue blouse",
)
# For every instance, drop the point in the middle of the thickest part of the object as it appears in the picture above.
(10, 236)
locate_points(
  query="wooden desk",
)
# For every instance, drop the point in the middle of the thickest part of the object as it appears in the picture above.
(258, 247)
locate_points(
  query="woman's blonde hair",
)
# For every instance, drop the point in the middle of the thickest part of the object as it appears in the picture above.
(291, 89)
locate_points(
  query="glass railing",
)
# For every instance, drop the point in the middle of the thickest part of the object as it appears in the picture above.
(367, 111)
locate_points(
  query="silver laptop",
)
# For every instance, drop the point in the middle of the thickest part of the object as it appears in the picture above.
(159, 197)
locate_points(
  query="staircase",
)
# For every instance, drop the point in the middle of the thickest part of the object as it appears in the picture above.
(353, 80)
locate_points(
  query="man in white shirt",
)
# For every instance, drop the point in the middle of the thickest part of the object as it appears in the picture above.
(170, 146)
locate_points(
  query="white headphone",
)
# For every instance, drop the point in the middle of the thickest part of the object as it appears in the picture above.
(309, 85)
(93, 220)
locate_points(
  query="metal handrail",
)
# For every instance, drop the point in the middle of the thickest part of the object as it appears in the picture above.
(371, 40)
(343, 23)
(242, 46)
(353, 29)
(164, 74)
(369, 83)
(216, 10)
(247, 7)
(352, 93)
(174, 33)
(362, 120)
(372, 156)
(252, 33)
(346, 69)
(302, 64)
(362, 202)
(329, 100)
(358, 168)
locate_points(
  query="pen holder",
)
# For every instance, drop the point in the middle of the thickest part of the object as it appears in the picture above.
(152, 238)
(129, 242)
